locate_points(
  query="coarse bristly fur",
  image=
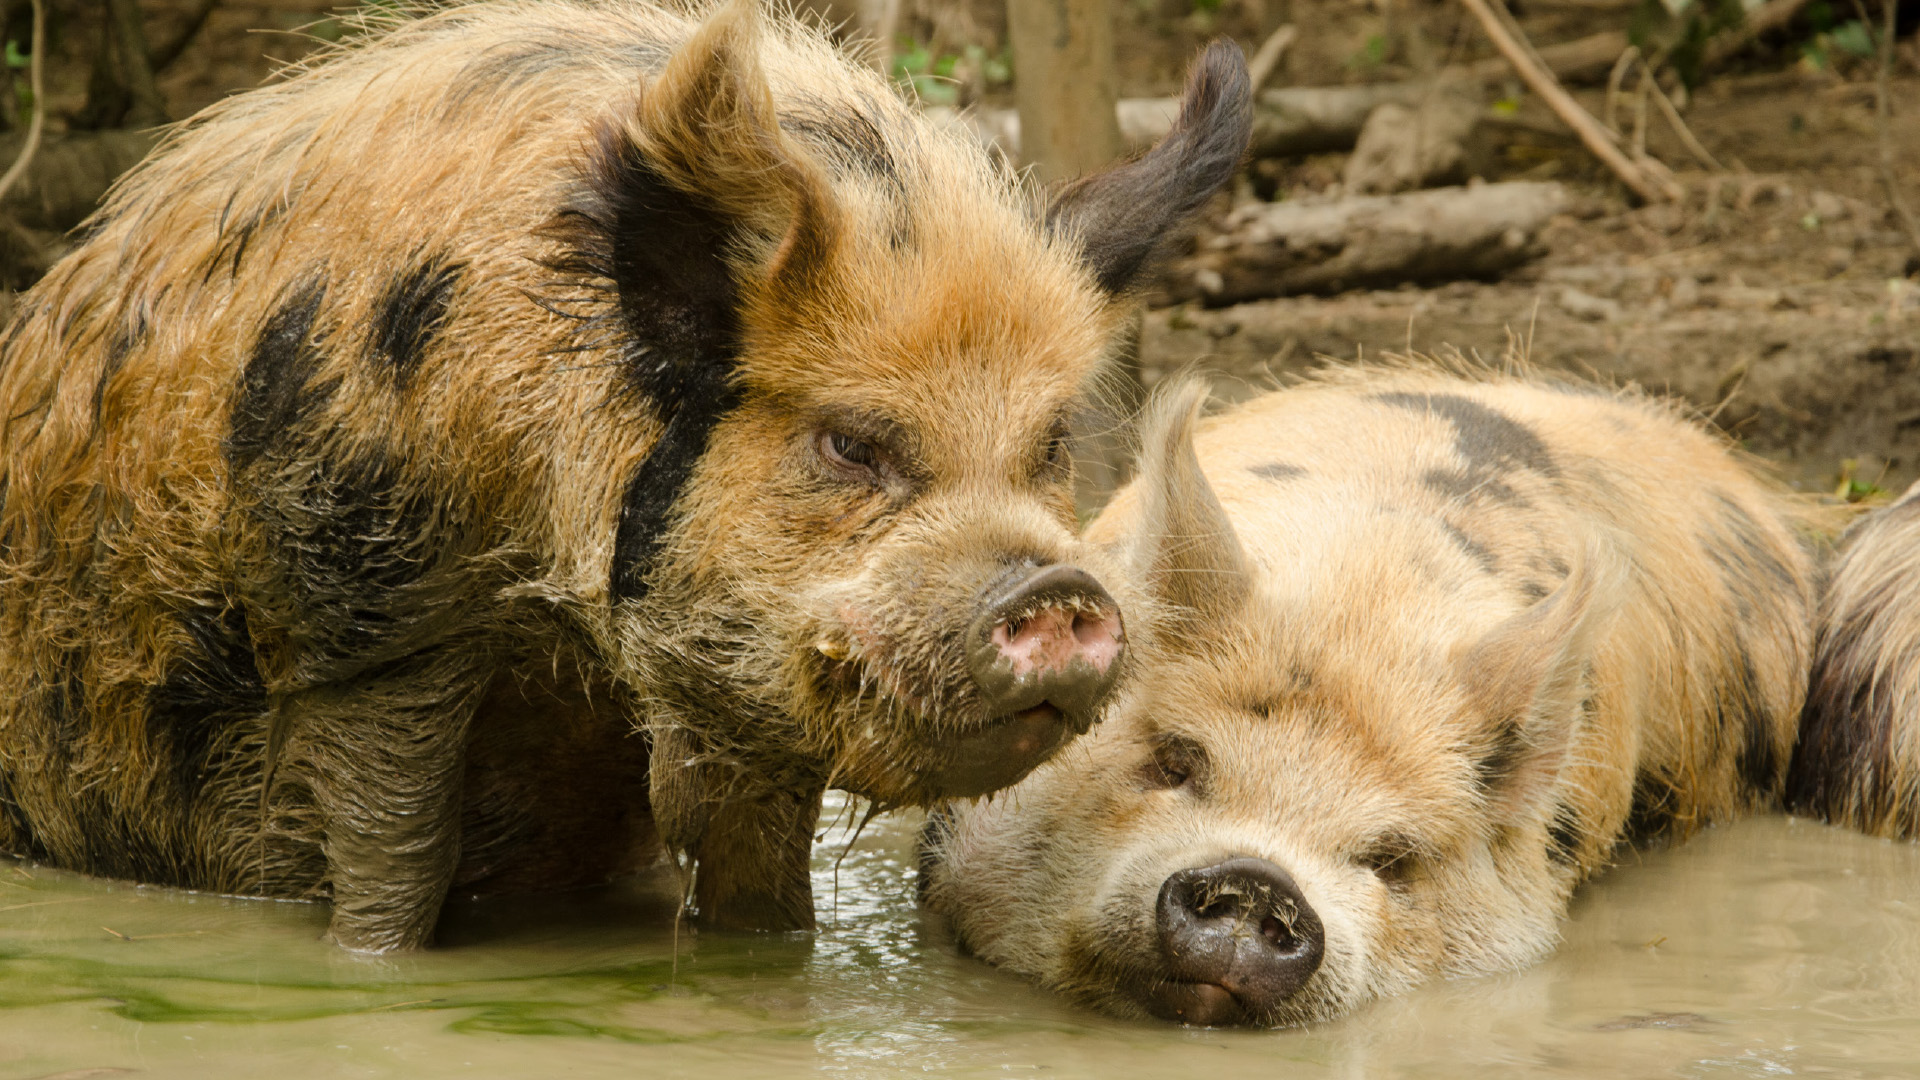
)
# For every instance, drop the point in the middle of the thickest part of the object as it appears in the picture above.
(538, 430)
(1431, 642)
(1858, 761)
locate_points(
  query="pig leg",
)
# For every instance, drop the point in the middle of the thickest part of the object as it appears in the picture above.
(385, 761)
(752, 844)
(754, 862)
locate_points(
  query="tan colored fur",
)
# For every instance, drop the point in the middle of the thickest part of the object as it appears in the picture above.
(1428, 567)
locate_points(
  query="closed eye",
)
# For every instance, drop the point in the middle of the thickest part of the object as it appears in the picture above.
(1392, 858)
(1173, 762)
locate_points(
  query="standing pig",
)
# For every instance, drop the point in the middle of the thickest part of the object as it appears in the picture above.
(1414, 653)
(546, 429)
(1858, 761)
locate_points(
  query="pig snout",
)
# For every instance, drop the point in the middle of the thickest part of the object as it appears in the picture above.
(1239, 939)
(1051, 638)
(1044, 650)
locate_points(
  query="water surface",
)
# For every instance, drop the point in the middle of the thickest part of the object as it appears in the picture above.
(1775, 947)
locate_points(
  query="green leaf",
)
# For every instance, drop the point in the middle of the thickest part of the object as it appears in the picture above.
(1854, 37)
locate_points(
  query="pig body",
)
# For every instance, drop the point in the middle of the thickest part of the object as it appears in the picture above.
(1858, 759)
(1414, 652)
(547, 430)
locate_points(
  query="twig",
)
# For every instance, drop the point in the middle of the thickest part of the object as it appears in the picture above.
(42, 903)
(1637, 148)
(1614, 80)
(1680, 128)
(130, 39)
(165, 53)
(1261, 67)
(1595, 137)
(1883, 119)
(151, 937)
(39, 120)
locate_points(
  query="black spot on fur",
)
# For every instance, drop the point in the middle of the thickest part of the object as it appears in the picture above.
(1488, 441)
(1752, 543)
(1121, 215)
(16, 823)
(665, 253)
(1563, 835)
(844, 136)
(1474, 549)
(411, 312)
(64, 703)
(365, 560)
(126, 337)
(1655, 802)
(1277, 471)
(276, 388)
(1744, 718)
(210, 684)
(497, 72)
(1465, 484)
(236, 237)
(933, 836)
(1506, 748)
(1845, 767)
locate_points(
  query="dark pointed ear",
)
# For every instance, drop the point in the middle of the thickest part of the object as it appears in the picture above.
(1185, 548)
(1527, 680)
(1118, 217)
(700, 171)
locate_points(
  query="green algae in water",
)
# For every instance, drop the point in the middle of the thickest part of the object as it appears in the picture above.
(1788, 946)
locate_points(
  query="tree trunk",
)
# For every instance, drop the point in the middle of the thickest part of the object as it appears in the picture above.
(1426, 237)
(145, 108)
(1064, 84)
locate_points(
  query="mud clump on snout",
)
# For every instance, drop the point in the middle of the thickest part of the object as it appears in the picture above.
(608, 463)
(1410, 653)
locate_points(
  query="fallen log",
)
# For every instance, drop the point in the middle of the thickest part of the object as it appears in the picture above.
(1290, 121)
(69, 174)
(1425, 237)
(1286, 122)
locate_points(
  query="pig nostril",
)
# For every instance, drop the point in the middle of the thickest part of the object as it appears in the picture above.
(1241, 924)
(1052, 637)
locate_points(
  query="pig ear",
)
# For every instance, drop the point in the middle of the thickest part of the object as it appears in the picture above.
(1119, 216)
(1186, 550)
(707, 128)
(1527, 679)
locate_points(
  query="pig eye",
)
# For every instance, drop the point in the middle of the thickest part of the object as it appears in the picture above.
(1392, 859)
(849, 452)
(1058, 448)
(1172, 764)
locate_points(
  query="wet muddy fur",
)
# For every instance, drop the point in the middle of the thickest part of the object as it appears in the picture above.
(1428, 647)
(1858, 761)
(538, 434)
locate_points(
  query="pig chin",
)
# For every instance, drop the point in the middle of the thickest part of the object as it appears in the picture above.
(919, 730)
(959, 692)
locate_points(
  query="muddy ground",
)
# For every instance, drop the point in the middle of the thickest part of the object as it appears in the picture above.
(1781, 299)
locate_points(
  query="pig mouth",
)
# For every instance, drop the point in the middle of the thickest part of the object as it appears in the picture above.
(1198, 1004)
(1001, 754)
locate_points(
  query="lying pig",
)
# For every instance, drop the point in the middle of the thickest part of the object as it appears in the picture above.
(1413, 653)
(1858, 760)
(544, 429)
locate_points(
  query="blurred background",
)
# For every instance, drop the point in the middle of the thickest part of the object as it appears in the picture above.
(1712, 198)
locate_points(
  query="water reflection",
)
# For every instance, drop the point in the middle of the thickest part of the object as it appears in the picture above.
(1770, 948)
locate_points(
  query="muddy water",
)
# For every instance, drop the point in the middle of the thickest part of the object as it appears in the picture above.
(1771, 948)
